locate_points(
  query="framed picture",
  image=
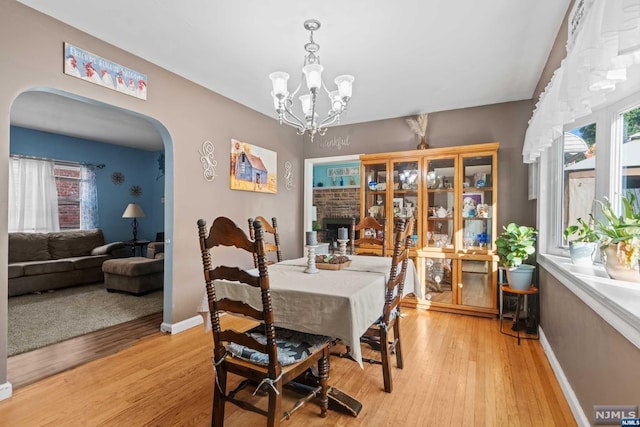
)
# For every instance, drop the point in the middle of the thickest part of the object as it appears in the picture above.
(253, 168)
(95, 69)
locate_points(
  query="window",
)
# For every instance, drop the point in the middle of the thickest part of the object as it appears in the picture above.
(579, 174)
(630, 153)
(568, 182)
(597, 157)
(47, 195)
(67, 179)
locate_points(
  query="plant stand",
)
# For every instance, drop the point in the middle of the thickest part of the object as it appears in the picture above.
(520, 294)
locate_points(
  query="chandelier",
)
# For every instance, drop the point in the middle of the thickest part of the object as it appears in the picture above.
(312, 72)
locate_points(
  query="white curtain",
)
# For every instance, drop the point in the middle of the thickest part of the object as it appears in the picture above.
(33, 198)
(88, 198)
(602, 65)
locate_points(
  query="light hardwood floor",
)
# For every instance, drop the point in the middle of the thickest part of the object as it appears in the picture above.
(459, 370)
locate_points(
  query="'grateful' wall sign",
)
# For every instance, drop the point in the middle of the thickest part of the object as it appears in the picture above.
(337, 142)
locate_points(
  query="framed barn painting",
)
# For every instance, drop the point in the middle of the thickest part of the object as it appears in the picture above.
(253, 168)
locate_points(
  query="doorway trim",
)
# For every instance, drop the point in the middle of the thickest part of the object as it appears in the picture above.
(307, 199)
(167, 142)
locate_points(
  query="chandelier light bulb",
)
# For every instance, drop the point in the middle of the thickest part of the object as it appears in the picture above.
(276, 101)
(336, 101)
(305, 100)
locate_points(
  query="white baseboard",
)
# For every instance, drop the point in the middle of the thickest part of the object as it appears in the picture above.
(174, 328)
(6, 390)
(571, 397)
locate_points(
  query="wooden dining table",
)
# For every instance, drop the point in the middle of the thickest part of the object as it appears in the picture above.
(337, 303)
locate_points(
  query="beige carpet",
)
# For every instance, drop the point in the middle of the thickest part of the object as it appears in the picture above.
(37, 320)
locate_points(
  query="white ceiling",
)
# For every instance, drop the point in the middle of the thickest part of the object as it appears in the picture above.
(407, 56)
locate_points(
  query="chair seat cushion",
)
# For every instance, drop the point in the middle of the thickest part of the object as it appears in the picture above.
(293, 346)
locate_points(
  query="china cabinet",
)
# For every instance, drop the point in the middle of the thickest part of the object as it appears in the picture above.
(452, 193)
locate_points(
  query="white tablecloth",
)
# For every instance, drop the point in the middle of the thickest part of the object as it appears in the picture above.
(338, 303)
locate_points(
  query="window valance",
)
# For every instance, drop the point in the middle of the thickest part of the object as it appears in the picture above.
(602, 65)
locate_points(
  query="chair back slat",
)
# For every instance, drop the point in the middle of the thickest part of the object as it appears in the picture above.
(229, 335)
(239, 307)
(235, 274)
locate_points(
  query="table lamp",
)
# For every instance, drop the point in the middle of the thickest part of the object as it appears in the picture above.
(134, 211)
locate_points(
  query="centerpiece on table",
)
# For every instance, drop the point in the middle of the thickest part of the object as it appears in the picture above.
(332, 262)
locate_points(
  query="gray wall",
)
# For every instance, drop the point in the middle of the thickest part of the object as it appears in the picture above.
(185, 113)
(602, 366)
(504, 123)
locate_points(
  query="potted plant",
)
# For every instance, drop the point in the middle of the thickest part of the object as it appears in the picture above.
(514, 246)
(419, 127)
(583, 242)
(620, 238)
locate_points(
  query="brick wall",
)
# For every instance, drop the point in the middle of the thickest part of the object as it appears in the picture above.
(68, 186)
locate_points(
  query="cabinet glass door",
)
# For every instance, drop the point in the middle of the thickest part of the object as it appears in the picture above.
(477, 287)
(440, 204)
(438, 280)
(406, 179)
(477, 203)
(375, 182)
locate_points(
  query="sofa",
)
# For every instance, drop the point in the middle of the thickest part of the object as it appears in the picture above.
(45, 261)
(136, 275)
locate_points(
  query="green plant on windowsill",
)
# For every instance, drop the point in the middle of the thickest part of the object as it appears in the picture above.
(581, 232)
(620, 238)
(583, 241)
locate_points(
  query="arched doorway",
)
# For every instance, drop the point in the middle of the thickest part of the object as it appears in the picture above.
(70, 116)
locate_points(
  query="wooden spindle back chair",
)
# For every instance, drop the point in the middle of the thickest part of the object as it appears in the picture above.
(385, 333)
(265, 355)
(367, 237)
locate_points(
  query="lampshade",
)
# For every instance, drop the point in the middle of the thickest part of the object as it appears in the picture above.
(133, 211)
(279, 80)
(313, 74)
(345, 85)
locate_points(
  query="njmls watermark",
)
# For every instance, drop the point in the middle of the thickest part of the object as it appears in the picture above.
(620, 415)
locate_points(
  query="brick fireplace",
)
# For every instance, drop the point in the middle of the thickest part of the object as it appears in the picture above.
(336, 207)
